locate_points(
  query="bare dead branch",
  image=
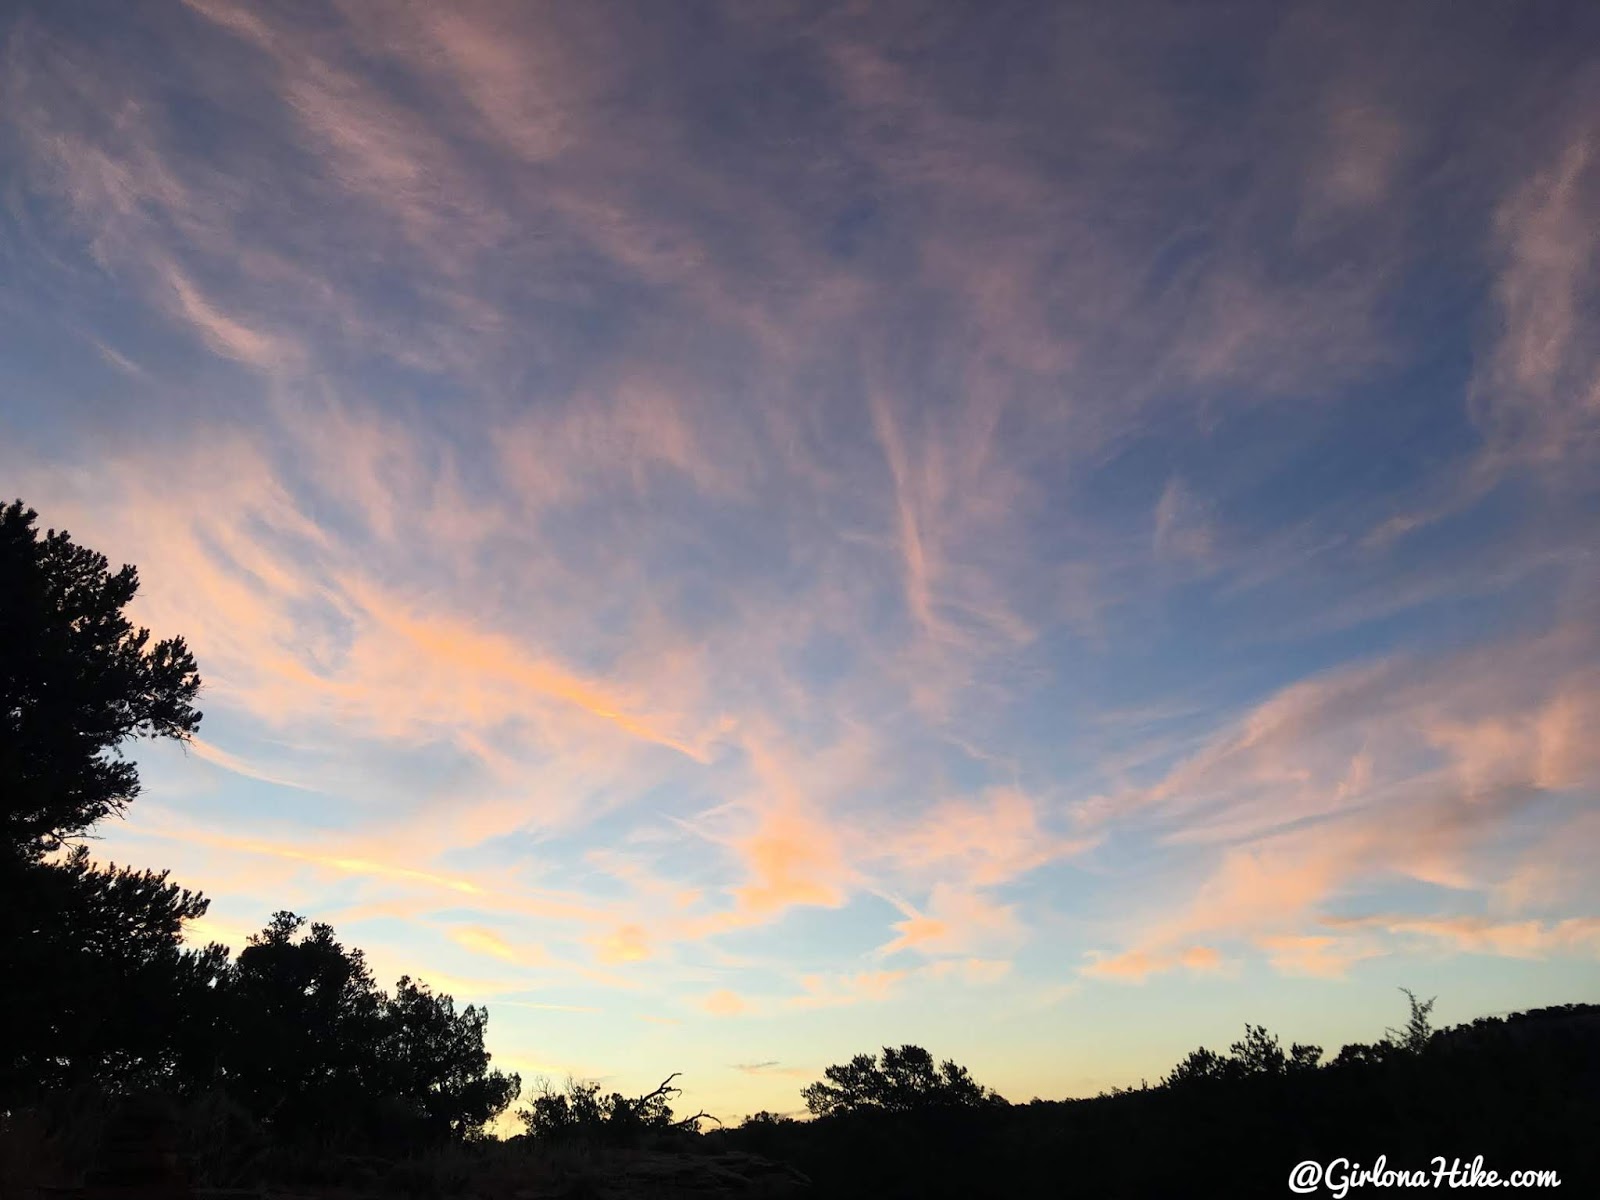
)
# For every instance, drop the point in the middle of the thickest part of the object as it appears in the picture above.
(691, 1122)
(662, 1089)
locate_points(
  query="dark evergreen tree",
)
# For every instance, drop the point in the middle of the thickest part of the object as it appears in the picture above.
(302, 1022)
(96, 977)
(101, 990)
(435, 1058)
(316, 1051)
(77, 681)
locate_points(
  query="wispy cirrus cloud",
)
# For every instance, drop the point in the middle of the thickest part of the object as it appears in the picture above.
(1509, 939)
(1332, 788)
(780, 513)
(1539, 396)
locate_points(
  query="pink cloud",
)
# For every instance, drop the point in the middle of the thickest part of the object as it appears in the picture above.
(226, 334)
(823, 991)
(1539, 395)
(1579, 936)
(987, 841)
(1337, 785)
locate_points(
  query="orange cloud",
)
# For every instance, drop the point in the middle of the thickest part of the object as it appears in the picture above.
(486, 941)
(1320, 957)
(791, 855)
(625, 944)
(957, 922)
(1200, 958)
(792, 860)
(344, 864)
(483, 669)
(1135, 966)
(161, 824)
(725, 1003)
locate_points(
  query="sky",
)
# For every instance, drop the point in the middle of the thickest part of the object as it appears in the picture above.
(737, 534)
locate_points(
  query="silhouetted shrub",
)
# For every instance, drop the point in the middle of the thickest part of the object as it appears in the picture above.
(582, 1113)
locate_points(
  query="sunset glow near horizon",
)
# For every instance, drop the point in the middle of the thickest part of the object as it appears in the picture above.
(740, 534)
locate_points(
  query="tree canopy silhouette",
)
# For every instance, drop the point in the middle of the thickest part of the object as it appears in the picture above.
(309, 1042)
(77, 680)
(97, 970)
(301, 1014)
(1258, 1053)
(101, 985)
(434, 1057)
(102, 990)
(907, 1080)
(1520, 1090)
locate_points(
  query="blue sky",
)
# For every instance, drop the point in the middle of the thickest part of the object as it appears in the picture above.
(737, 534)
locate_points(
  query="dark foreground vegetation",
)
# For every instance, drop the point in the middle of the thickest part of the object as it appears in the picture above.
(1522, 1091)
(132, 1064)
